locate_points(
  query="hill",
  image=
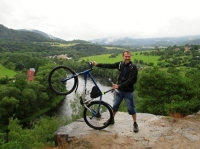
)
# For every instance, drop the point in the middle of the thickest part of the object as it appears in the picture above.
(44, 34)
(149, 42)
(7, 34)
(33, 35)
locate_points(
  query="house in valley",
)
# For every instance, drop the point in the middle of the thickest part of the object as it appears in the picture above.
(30, 74)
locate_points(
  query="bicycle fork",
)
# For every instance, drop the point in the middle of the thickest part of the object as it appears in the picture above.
(93, 112)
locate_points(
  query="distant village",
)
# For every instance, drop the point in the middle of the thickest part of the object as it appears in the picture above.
(63, 56)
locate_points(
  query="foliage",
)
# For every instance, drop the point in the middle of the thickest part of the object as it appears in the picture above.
(34, 50)
(76, 107)
(168, 92)
(41, 133)
(24, 98)
(4, 80)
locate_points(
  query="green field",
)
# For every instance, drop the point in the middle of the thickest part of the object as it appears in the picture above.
(135, 55)
(6, 72)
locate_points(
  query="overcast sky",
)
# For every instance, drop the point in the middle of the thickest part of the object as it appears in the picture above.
(94, 19)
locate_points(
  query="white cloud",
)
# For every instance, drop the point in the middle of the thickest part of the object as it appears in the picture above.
(92, 19)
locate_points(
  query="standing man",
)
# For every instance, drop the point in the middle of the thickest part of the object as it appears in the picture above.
(126, 80)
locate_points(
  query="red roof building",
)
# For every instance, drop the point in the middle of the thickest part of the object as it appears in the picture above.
(30, 74)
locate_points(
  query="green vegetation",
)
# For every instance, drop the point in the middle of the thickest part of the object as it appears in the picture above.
(40, 133)
(169, 92)
(147, 59)
(21, 36)
(136, 57)
(6, 72)
(104, 58)
(184, 56)
(26, 100)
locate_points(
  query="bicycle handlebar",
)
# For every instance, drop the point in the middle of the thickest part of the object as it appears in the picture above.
(90, 64)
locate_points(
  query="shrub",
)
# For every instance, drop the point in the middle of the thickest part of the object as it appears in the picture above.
(166, 92)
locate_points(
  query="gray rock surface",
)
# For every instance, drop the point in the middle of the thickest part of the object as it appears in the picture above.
(151, 129)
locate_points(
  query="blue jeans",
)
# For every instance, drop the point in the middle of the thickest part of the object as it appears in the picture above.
(129, 99)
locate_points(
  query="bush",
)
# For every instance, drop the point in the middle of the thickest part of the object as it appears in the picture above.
(183, 107)
(37, 137)
(167, 92)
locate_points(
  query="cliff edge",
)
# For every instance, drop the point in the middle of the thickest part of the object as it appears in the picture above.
(155, 132)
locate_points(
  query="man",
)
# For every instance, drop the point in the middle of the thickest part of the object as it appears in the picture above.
(126, 80)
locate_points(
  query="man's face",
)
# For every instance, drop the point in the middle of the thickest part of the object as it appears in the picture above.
(127, 57)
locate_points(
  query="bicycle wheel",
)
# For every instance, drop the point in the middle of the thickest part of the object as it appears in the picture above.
(58, 80)
(96, 119)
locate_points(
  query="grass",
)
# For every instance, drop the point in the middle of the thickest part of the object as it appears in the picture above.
(145, 58)
(6, 72)
(104, 58)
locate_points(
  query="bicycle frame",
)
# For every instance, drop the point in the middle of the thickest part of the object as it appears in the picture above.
(87, 74)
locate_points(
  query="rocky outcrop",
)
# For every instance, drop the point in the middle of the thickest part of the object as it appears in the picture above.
(153, 129)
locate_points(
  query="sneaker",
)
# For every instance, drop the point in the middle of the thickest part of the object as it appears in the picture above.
(135, 127)
(112, 121)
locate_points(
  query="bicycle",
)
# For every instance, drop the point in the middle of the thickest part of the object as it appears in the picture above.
(63, 81)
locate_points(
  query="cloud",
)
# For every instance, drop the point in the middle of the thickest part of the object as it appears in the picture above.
(93, 19)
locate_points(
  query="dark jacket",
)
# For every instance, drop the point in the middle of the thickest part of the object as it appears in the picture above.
(127, 77)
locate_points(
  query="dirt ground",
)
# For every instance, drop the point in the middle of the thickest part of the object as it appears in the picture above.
(172, 140)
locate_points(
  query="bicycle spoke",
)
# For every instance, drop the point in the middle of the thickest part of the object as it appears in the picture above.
(97, 121)
(59, 82)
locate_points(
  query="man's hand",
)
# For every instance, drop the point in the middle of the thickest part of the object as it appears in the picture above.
(115, 86)
(94, 63)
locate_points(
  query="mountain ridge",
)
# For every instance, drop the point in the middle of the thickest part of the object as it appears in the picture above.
(25, 35)
(149, 42)
(44, 34)
(39, 36)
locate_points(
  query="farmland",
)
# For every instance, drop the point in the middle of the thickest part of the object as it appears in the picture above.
(104, 58)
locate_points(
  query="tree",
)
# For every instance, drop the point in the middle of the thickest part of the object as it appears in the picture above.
(30, 96)
(21, 83)
(168, 92)
(8, 106)
(4, 80)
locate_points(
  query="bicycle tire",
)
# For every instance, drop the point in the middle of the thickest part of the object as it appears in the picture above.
(59, 73)
(97, 122)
